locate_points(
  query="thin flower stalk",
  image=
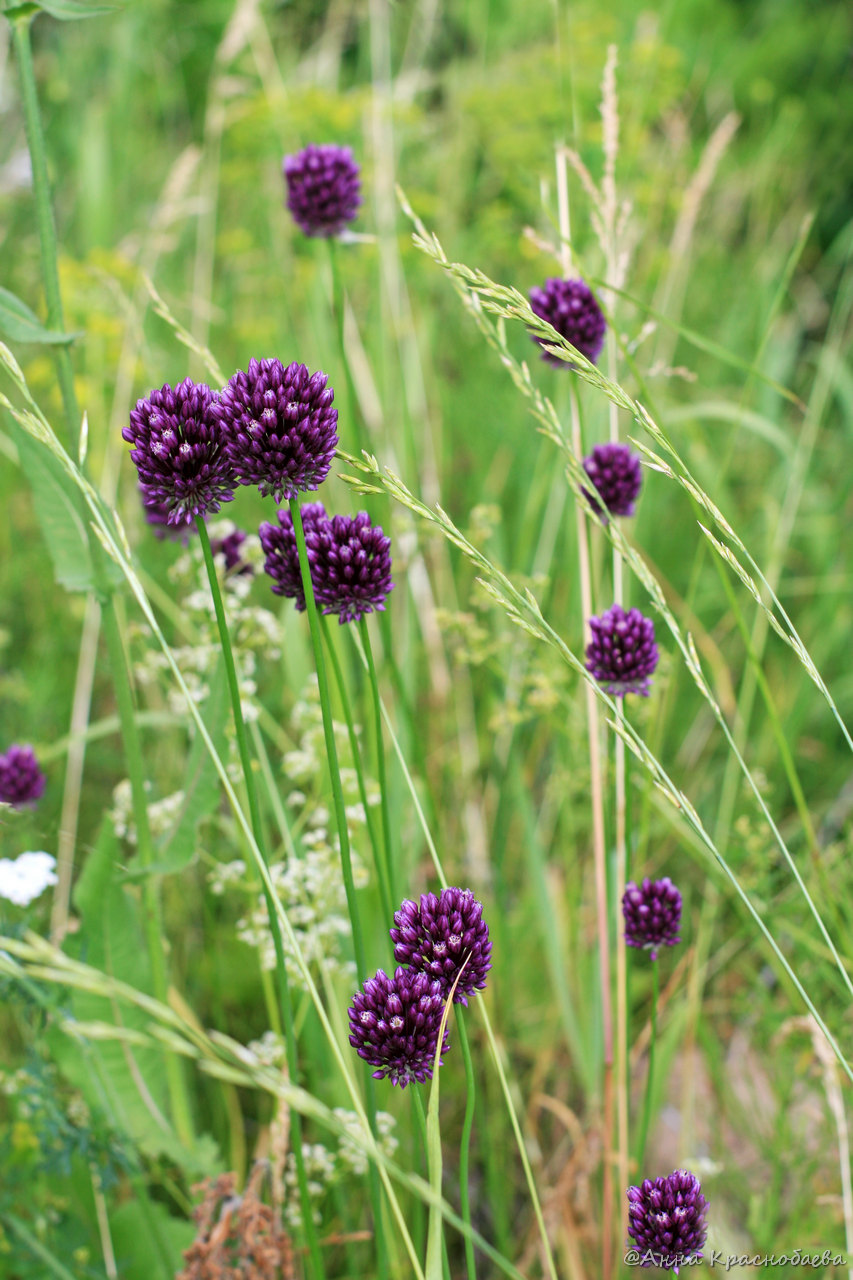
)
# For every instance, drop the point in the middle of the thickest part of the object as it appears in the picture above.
(343, 838)
(338, 303)
(647, 1100)
(380, 758)
(465, 1145)
(275, 927)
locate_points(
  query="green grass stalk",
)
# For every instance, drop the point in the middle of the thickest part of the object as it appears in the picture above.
(465, 1147)
(380, 758)
(647, 1103)
(308, 1225)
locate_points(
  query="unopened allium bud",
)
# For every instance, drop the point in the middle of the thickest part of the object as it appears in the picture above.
(622, 653)
(438, 934)
(617, 476)
(394, 1024)
(278, 427)
(652, 913)
(666, 1220)
(570, 307)
(323, 188)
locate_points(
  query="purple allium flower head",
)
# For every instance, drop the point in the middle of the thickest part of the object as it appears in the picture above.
(229, 548)
(617, 476)
(178, 452)
(652, 913)
(570, 307)
(622, 653)
(394, 1025)
(157, 516)
(666, 1220)
(21, 780)
(438, 934)
(349, 559)
(278, 427)
(323, 188)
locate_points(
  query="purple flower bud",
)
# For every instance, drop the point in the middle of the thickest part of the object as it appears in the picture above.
(349, 560)
(229, 548)
(278, 427)
(570, 308)
(666, 1219)
(622, 653)
(616, 473)
(183, 468)
(323, 188)
(652, 913)
(394, 1025)
(438, 934)
(21, 780)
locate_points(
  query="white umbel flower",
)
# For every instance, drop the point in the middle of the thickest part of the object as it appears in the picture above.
(25, 878)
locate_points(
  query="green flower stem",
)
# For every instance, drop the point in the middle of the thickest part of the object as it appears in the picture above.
(343, 838)
(647, 1105)
(357, 761)
(422, 1126)
(338, 302)
(44, 219)
(275, 926)
(380, 757)
(465, 1148)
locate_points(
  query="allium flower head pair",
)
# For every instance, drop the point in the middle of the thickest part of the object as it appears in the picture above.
(395, 1021)
(272, 425)
(323, 188)
(349, 560)
(21, 780)
(666, 1220)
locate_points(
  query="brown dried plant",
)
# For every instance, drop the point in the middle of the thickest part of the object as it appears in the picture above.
(238, 1237)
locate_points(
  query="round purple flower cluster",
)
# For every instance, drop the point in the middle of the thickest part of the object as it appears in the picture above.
(230, 548)
(439, 934)
(570, 307)
(349, 559)
(652, 913)
(21, 780)
(616, 474)
(666, 1220)
(394, 1025)
(622, 653)
(179, 453)
(323, 188)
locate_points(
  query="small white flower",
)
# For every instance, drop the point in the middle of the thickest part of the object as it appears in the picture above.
(28, 876)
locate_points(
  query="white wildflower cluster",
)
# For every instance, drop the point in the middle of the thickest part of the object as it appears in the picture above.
(26, 877)
(162, 814)
(225, 874)
(270, 1050)
(253, 629)
(324, 1167)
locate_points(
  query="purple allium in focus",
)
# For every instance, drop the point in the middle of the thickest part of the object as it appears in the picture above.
(622, 653)
(183, 468)
(323, 188)
(666, 1220)
(278, 427)
(394, 1025)
(438, 934)
(229, 548)
(570, 307)
(21, 780)
(617, 476)
(652, 913)
(348, 556)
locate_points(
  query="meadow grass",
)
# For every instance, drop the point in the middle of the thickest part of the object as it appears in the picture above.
(688, 162)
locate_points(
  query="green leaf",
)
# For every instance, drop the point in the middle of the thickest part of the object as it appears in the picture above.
(148, 1242)
(58, 513)
(69, 10)
(19, 324)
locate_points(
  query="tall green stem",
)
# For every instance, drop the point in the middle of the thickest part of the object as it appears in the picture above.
(380, 757)
(343, 840)
(44, 219)
(339, 311)
(647, 1105)
(465, 1147)
(275, 926)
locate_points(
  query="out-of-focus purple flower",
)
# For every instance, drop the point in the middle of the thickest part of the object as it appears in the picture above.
(622, 653)
(229, 548)
(652, 913)
(394, 1025)
(438, 934)
(21, 780)
(616, 473)
(157, 516)
(183, 468)
(570, 307)
(278, 427)
(323, 188)
(349, 559)
(666, 1220)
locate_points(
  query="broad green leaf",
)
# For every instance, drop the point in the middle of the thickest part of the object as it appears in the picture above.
(58, 513)
(148, 1242)
(19, 324)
